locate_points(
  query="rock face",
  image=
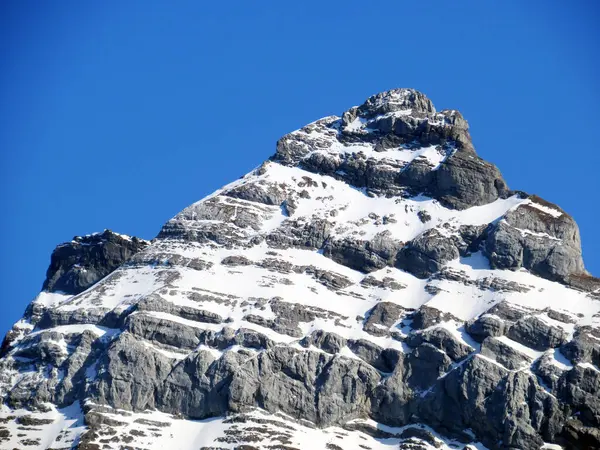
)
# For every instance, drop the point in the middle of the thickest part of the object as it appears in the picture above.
(77, 265)
(373, 280)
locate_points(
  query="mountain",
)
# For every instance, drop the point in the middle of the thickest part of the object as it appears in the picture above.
(374, 285)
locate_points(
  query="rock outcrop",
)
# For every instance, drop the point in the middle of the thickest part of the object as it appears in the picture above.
(80, 263)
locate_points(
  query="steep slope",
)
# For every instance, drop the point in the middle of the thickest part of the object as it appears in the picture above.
(375, 284)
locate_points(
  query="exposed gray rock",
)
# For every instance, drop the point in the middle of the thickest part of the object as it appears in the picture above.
(381, 317)
(585, 346)
(392, 101)
(326, 341)
(197, 385)
(515, 410)
(561, 317)
(385, 283)
(331, 280)
(426, 254)
(547, 244)
(268, 194)
(461, 181)
(504, 354)
(296, 234)
(537, 334)
(154, 302)
(427, 316)
(486, 325)
(471, 237)
(130, 375)
(509, 312)
(465, 180)
(441, 339)
(384, 360)
(421, 435)
(289, 315)
(366, 256)
(580, 389)
(167, 260)
(77, 265)
(308, 385)
(425, 365)
(548, 371)
(221, 220)
(236, 260)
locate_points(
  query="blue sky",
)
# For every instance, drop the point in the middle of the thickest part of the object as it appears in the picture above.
(118, 114)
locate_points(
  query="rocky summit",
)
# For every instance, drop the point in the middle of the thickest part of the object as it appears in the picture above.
(373, 285)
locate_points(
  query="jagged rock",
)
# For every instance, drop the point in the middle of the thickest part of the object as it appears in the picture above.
(167, 260)
(196, 386)
(77, 265)
(537, 334)
(426, 254)
(130, 376)
(382, 359)
(270, 194)
(294, 234)
(286, 380)
(580, 388)
(441, 339)
(561, 317)
(486, 325)
(548, 371)
(584, 348)
(427, 316)
(236, 260)
(466, 180)
(329, 342)
(329, 279)
(426, 364)
(366, 256)
(381, 317)
(547, 243)
(392, 101)
(163, 331)
(509, 312)
(154, 302)
(504, 354)
(471, 237)
(385, 283)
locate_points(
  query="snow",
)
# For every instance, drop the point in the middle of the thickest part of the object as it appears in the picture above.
(559, 360)
(184, 434)
(51, 299)
(354, 207)
(356, 124)
(66, 426)
(551, 211)
(589, 366)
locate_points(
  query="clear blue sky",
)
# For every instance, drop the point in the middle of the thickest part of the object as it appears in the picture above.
(118, 114)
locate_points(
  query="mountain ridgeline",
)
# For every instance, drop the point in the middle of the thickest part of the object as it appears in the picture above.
(374, 284)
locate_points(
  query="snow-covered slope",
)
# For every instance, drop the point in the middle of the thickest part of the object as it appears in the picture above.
(375, 284)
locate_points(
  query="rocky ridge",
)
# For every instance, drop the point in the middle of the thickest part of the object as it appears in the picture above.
(374, 284)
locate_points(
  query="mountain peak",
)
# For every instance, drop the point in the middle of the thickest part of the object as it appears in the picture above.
(401, 100)
(395, 143)
(374, 276)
